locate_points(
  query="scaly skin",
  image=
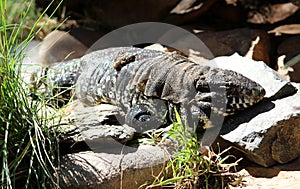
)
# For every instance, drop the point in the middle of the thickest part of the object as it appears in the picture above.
(149, 84)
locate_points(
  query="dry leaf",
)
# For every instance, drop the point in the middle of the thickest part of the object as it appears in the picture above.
(186, 6)
(286, 29)
(272, 13)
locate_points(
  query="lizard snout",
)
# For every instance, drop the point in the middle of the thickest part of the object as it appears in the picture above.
(244, 95)
(241, 92)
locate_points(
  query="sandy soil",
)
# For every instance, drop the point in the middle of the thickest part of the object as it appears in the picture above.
(285, 176)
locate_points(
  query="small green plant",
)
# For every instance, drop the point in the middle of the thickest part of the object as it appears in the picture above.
(28, 145)
(192, 166)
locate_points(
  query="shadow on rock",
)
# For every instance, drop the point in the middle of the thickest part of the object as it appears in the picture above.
(232, 122)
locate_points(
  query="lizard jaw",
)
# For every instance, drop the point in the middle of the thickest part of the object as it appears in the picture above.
(243, 98)
(235, 104)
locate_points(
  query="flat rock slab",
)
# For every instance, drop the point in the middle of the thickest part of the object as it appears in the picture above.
(269, 132)
(269, 137)
(60, 46)
(95, 124)
(129, 169)
(108, 163)
(258, 71)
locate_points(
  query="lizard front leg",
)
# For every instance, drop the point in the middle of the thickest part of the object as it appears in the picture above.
(146, 116)
(195, 115)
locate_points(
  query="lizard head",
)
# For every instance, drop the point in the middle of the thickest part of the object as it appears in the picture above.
(239, 92)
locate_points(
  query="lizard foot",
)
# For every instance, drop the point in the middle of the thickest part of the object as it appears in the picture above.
(142, 118)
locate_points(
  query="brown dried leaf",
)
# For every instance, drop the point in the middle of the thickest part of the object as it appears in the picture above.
(286, 29)
(186, 6)
(272, 13)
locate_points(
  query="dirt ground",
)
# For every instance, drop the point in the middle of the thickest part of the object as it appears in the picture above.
(285, 176)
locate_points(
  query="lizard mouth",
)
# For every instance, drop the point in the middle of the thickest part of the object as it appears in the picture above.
(236, 103)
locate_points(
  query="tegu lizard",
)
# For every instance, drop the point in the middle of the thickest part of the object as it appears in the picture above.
(148, 85)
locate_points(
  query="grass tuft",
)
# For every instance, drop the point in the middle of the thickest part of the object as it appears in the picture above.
(193, 166)
(28, 145)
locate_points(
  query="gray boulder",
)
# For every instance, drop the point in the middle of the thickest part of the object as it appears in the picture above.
(269, 132)
(106, 162)
(128, 169)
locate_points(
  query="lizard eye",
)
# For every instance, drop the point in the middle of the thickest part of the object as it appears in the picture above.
(143, 116)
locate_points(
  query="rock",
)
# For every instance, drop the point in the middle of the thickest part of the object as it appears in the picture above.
(114, 13)
(296, 2)
(96, 126)
(257, 71)
(224, 16)
(110, 164)
(290, 48)
(87, 36)
(228, 42)
(107, 170)
(268, 133)
(157, 47)
(106, 163)
(60, 46)
(31, 61)
(258, 171)
(68, 6)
